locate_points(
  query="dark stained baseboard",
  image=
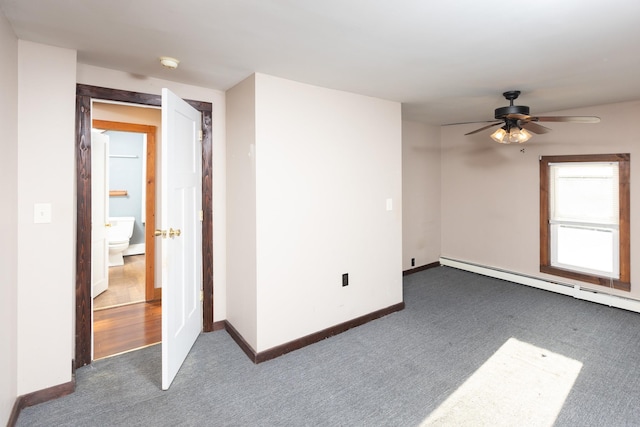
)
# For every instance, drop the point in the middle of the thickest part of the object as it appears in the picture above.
(248, 350)
(219, 325)
(40, 396)
(285, 348)
(15, 413)
(421, 268)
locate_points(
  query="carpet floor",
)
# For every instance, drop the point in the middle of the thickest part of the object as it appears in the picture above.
(466, 350)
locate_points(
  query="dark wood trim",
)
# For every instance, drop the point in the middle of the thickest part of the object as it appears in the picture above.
(545, 227)
(83, 230)
(623, 160)
(207, 222)
(84, 95)
(109, 94)
(151, 292)
(421, 268)
(15, 413)
(588, 278)
(616, 157)
(219, 325)
(274, 352)
(239, 339)
(285, 348)
(40, 396)
(624, 178)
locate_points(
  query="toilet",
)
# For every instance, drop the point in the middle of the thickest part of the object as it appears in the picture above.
(119, 234)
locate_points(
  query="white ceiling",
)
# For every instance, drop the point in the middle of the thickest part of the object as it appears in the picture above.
(446, 61)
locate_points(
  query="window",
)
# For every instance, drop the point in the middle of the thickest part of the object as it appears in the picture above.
(584, 218)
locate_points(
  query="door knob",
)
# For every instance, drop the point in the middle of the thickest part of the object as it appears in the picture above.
(162, 233)
(174, 233)
(108, 225)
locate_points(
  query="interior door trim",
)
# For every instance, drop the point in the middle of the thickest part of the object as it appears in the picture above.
(84, 95)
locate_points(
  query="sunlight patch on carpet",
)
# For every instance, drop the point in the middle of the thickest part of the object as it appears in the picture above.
(521, 384)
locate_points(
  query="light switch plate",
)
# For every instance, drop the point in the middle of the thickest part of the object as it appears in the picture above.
(389, 204)
(42, 213)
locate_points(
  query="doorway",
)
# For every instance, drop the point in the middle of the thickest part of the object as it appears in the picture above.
(84, 97)
(127, 313)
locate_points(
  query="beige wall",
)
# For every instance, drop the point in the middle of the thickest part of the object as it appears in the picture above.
(490, 192)
(326, 163)
(420, 194)
(129, 114)
(46, 111)
(8, 218)
(97, 76)
(241, 210)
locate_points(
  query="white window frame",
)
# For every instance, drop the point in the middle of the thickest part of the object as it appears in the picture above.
(614, 229)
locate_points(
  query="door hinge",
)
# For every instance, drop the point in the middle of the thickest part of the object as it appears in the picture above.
(201, 213)
(200, 135)
(201, 295)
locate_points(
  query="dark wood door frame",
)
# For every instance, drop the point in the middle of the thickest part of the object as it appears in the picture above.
(84, 95)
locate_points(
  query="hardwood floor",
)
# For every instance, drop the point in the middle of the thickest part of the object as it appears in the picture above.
(122, 320)
(126, 284)
(120, 329)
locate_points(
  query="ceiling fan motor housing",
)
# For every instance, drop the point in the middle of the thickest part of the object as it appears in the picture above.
(503, 112)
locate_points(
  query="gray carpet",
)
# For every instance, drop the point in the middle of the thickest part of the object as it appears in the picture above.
(394, 371)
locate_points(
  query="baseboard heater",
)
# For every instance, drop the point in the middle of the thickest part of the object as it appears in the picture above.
(576, 291)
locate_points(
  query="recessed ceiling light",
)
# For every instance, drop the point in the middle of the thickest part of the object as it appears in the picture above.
(169, 62)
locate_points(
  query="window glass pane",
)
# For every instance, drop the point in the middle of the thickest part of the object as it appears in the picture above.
(584, 193)
(587, 249)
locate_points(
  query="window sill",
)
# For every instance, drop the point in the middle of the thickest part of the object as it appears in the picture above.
(596, 280)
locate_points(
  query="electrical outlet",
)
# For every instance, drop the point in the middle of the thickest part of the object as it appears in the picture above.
(413, 262)
(345, 279)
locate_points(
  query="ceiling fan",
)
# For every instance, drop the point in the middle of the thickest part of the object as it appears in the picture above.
(517, 124)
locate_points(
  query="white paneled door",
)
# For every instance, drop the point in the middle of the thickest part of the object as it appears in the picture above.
(181, 232)
(99, 213)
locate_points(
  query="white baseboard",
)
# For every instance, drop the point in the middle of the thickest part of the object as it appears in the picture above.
(575, 291)
(136, 249)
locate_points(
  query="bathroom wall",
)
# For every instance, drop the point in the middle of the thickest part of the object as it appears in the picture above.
(126, 172)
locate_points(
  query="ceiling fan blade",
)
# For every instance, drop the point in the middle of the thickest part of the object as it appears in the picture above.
(569, 119)
(467, 123)
(484, 127)
(534, 127)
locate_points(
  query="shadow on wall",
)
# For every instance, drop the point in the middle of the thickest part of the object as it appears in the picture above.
(127, 172)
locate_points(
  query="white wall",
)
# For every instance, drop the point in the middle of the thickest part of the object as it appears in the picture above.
(8, 218)
(326, 163)
(490, 191)
(46, 111)
(97, 76)
(420, 194)
(241, 210)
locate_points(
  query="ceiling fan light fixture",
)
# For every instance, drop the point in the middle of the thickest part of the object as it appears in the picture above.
(506, 135)
(519, 135)
(499, 135)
